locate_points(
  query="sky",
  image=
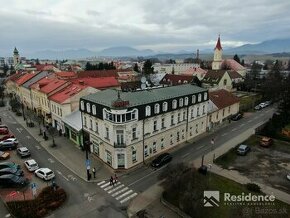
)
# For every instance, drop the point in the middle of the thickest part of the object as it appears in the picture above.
(160, 25)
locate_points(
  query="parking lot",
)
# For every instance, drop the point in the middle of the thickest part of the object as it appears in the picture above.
(8, 194)
(264, 165)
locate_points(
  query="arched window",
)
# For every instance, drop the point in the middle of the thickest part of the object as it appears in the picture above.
(94, 110)
(199, 97)
(186, 101)
(148, 111)
(88, 107)
(156, 108)
(205, 96)
(193, 99)
(181, 102)
(174, 104)
(82, 105)
(164, 106)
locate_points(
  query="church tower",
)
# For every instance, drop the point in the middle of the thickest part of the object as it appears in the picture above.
(16, 58)
(217, 59)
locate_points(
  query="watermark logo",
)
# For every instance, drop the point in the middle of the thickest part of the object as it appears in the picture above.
(211, 198)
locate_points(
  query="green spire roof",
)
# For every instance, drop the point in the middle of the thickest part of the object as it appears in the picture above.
(15, 51)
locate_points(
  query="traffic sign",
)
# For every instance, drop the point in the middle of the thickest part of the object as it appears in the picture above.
(88, 164)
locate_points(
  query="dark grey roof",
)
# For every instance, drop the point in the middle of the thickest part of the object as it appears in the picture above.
(106, 97)
(34, 79)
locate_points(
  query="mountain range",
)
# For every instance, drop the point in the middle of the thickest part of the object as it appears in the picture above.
(266, 47)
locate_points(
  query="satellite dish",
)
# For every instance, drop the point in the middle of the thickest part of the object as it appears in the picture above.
(143, 79)
(143, 86)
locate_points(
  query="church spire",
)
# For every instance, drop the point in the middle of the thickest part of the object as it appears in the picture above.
(218, 44)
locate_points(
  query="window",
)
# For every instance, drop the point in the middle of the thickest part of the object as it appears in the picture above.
(73, 135)
(196, 130)
(155, 125)
(107, 133)
(184, 115)
(225, 82)
(94, 110)
(120, 137)
(109, 157)
(197, 111)
(177, 136)
(193, 99)
(61, 112)
(97, 127)
(178, 117)
(134, 133)
(164, 106)
(181, 102)
(134, 156)
(172, 120)
(96, 148)
(88, 107)
(85, 122)
(186, 101)
(91, 124)
(148, 111)
(174, 104)
(162, 123)
(229, 110)
(134, 114)
(199, 97)
(203, 109)
(146, 150)
(156, 108)
(205, 96)
(154, 147)
(217, 115)
(223, 112)
(162, 143)
(192, 112)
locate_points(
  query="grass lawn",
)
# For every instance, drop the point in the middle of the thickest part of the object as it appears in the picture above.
(249, 102)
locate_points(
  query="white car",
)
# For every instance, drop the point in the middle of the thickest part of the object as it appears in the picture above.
(288, 176)
(44, 173)
(9, 141)
(31, 165)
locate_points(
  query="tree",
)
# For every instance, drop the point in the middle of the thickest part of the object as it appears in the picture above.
(237, 59)
(188, 60)
(5, 69)
(170, 61)
(53, 133)
(2, 95)
(136, 68)
(243, 62)
(147, 67)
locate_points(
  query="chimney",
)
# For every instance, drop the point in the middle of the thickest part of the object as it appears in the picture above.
(81, 82)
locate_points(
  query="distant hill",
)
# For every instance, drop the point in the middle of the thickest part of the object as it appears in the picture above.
(266, 47)
(125, 51)
(66, 54)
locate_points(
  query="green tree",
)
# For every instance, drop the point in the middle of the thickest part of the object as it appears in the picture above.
(243, 62)
(5, 69)
(136, 68)
(237, 59)
(148, 68)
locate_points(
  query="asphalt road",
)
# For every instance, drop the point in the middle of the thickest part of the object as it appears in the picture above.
(84, 199)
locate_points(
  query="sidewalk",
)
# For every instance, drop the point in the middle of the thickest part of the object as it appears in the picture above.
(69, 154)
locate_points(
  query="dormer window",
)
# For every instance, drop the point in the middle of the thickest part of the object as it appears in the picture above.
(193, 99)
(88, 107)
(94, 110)
(156, 108)
(82, 105)
(199, 97)
(164, 106)
(181, 102)
(205, 96)
(148, 111)
(174, 104)
(186, 101)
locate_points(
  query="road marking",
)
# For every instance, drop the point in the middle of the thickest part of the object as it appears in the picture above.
(50, 160)
(72, 177)
(200, 147)
(185, 155)
(115, 189)
(128, 198)
(249, 121)
(109, 187)
(19, 130)
(100, 183)
(124, 194)
(8, 215)
(224, 134)
(62, 175)
(28, 137)
(234, 129)
(242, 125)
(105, 185)
(37, 147)
(118, 192)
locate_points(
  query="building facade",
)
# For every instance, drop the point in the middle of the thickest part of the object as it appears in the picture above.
(127, 128)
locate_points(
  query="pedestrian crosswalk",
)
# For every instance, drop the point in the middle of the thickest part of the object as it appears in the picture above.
(118, 191)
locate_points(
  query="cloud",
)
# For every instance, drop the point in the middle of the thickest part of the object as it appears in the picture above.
(165, 25)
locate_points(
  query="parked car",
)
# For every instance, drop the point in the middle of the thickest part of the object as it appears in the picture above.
(258, 107)
(268, 103)
(236, 117)
(8, 136)
(161, 160)
(243, 149)
(23, 152)
(44, 173)
(31, 165)
(266, 142)
(288, 176)
(4, 155)
(8, 144)
(9, 165)
(3, 131)
(10, 180)
(14, 171)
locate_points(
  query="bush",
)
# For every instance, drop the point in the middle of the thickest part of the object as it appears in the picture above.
(253, 187)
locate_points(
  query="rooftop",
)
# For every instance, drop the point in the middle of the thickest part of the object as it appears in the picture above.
(107, 96)
(98, 82)
(26, 77)
(74, 120)
(222, 98)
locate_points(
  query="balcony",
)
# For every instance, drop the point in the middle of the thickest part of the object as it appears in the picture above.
(119, 145)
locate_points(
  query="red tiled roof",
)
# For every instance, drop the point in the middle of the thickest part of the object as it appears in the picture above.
(98, 83)
(222, 98)
(232, 64)
(14, 77)
(66, 74)
(67, 92)
(25, 78)
(213, 76)
(234, 74)
(172, 79)
(100, 73)
(41, 83)
(194, 71)
(47, 85)
(218, 44)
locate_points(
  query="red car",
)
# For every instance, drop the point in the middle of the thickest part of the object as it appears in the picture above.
(6, 137)
(4, 131)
